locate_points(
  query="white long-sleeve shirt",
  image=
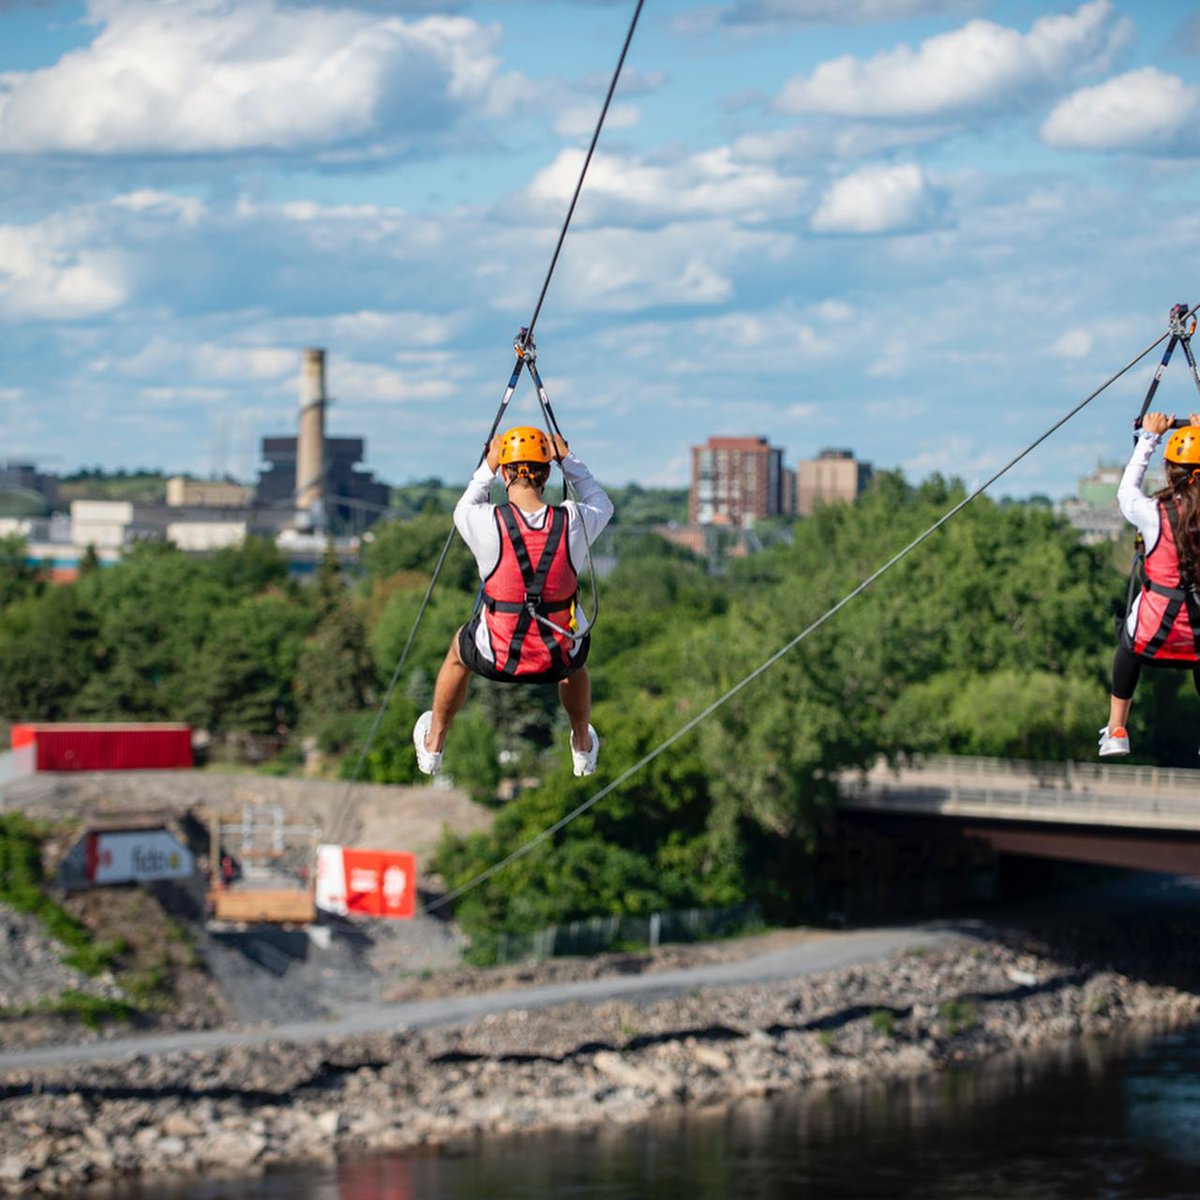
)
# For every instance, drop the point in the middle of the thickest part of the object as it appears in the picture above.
(1137, 508)
(475, 520)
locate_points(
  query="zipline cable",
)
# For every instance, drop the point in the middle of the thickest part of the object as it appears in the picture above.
(524, 339)
(612, 87)
(686, 728)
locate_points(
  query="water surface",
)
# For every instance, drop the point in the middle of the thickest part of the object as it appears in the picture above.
(1118, 1120)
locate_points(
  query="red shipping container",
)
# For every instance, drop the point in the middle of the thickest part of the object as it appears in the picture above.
(106, 746)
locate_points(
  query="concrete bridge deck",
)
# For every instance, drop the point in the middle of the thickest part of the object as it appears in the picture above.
(1125, 797)
(1142, 818)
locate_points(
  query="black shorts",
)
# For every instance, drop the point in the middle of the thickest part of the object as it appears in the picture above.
(468, 651)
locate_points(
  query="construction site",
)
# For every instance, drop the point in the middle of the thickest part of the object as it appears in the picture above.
(235, 866)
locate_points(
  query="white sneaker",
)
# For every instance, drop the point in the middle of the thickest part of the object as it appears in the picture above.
(428, 761)
(584, 761)
(1114, 743)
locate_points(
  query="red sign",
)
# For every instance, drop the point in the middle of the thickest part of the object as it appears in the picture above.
(367, 883)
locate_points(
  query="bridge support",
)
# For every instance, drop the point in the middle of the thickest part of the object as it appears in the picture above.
(1173, 853)
(1133, 849)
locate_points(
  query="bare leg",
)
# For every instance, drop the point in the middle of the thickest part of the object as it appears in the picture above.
(575, 692)
(1118, 712)
(449, 695)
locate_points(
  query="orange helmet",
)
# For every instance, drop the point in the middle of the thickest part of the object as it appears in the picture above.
(525, 444)
(1183, 446)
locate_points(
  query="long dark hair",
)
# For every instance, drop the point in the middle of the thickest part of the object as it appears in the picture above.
(1183, 490)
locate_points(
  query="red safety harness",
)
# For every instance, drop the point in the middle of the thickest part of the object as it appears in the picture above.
(533, 585)
(1168, 619)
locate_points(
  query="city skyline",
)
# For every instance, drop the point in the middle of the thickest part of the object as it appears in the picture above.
(924, 229)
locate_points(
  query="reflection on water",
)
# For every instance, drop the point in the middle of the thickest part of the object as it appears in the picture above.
(1113, 1120)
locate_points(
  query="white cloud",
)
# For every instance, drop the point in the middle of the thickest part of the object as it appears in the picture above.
(370, 327)
(777, 341)
(839, 12)
(179, 77)
(205, 362)
(956, 455)
(1145, 110)
(580, 119)
(365, 384)
(48, 271)
(877, 199)
(708, 184)
(979, 66)
(1075, 343)
(188, 210)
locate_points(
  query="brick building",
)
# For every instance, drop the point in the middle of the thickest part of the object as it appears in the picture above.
(735, 481)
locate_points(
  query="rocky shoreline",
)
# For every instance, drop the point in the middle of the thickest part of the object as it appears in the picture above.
(246, 1109)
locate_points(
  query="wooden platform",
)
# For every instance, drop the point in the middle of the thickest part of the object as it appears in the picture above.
(276, 905)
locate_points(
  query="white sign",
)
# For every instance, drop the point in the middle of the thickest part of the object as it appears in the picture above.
(331, 880)
(137, 857)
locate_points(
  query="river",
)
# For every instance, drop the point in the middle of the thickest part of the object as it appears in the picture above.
(1118, 1120)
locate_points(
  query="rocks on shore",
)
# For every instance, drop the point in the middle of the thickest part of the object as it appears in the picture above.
(32, 970)
(244, 1109)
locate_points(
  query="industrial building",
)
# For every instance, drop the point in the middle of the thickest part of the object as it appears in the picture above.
(310, 496)
(25, 491)
(315, 476)
(183, 492)
(1093, 509)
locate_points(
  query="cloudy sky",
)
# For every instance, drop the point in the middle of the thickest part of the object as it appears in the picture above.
(921, 229)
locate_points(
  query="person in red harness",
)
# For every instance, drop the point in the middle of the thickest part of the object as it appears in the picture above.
(1162, 625)
(528, 628)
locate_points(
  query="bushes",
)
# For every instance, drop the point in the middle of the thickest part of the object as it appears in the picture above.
(21, 885)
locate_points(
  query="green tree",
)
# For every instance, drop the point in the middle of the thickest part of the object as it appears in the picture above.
(18, 578)
(335, 672)
(248, 669)
(49, 650)
(415, 546)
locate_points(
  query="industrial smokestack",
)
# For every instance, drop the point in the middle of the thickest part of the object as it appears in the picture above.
(310, 445)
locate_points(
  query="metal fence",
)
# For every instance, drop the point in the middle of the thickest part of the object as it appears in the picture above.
(1067, 774)
(596, 934)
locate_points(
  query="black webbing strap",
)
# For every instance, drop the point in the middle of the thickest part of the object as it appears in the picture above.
(534, 579)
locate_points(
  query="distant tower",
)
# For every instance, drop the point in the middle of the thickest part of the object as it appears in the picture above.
(310, 445)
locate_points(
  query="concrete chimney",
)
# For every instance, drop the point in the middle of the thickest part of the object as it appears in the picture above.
(310, 444)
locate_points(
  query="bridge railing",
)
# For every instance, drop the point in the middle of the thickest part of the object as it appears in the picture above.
(1157, 809)
(1064, 774)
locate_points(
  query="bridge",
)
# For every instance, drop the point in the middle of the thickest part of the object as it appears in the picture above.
(1144, 818)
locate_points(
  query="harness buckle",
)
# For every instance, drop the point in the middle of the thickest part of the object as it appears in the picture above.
(523, 346)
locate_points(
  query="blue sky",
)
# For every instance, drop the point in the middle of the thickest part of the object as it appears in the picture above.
(921, 229)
